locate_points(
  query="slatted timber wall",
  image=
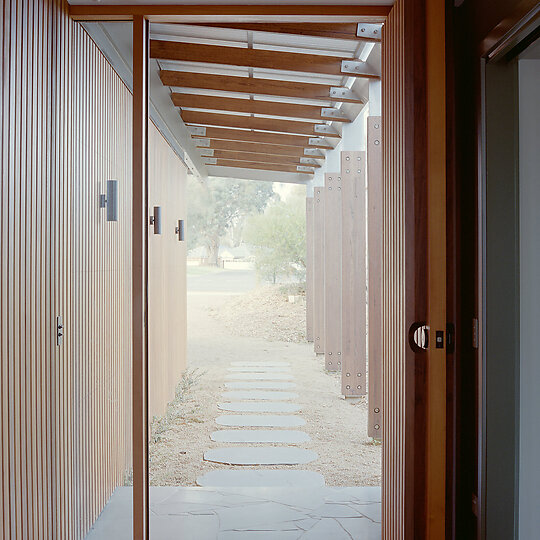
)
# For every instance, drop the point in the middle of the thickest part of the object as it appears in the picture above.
(332, 271)
(167, 275)
(309, 269)
(393, 293)
(375, 241)
(318, 270)
(65, 426)
(353, 273)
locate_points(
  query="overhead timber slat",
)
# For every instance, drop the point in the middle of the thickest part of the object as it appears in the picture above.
(263, 87)
(229, 13)
(261, 137)
(249, 122)
(334, 31)
(255, 58)
(261, 148)
(268, 108)
(255, 165)
(263, 158)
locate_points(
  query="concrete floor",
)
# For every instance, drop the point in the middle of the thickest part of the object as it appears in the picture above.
(272, 513)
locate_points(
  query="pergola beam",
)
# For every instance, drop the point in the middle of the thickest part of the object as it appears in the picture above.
(346, 31)
(260, 136)
(268, 108)
(261, 148)
(257, 86)
(263, 166)
(261, 158)
(263, 124)
(230, 13)
(259, 58)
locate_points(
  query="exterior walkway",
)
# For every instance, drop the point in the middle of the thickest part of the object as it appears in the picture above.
(259, 478)
(264, 513)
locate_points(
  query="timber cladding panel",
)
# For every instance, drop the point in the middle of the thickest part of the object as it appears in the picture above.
(393, 290)
(65, 418)
(167, 276)
(318, 270)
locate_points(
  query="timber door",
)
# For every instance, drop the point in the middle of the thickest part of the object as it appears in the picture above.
(414, 272)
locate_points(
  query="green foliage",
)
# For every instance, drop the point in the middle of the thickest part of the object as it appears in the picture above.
(218, 204)
(279, 239)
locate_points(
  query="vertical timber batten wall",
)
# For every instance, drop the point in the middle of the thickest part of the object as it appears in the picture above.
(167, 275)
(318, 270)
(65, 411)
(309, 269)
(332, 271)
(393, 298)
(404, 271)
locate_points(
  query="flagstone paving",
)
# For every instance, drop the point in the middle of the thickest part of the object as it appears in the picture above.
(248, 513)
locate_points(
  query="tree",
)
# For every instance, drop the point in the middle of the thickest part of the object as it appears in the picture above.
(217, 204)
(279, 239)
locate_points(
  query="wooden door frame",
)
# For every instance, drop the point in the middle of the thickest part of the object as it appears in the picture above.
(416, 166)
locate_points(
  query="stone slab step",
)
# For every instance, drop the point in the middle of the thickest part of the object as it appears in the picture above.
(269, 436)
(259, 369)
(268, 363)
(258, 394)
(267, 385)
(262, 478)
(265, 455)
(256, 420)
(260, 407)
(260, 376)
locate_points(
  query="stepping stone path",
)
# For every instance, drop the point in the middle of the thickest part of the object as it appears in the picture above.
(286, 436)
(261, 384)
(259, 420)
(260, 387)
(261, 455)
(259, 394)
(260, 407)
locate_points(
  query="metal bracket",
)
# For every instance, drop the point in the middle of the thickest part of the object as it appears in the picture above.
(197, 130)
(308, 161)
(207, 152)
(357, 67)
(371, 31)
(337, 92)
(304, 168)
(318, 141)
(312, 152)
(332, 112)
(324, 128)
(203, 142)
(211, 161)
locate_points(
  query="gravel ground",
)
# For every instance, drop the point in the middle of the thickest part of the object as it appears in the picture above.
(264, 313)
(338, 428)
